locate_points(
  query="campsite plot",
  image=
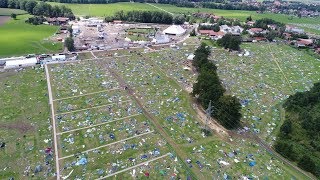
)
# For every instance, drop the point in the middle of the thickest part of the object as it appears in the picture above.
(161, 96)
(91, 101)
(91, 117)
(232, 160)
(165, 168)
(116, 157)
(177, 64)
(84, 139)
(73, 79)
(262, 82)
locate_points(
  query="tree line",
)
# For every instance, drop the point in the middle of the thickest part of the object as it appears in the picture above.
(299, 135)
(209, 88)
(142, 16)
(38, 8)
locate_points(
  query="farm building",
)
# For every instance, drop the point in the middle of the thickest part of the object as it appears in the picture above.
(304, 42)
(176, 30)
(59, 57)
(254, 31)
(21, 62)
(293, 29)
(212, 34)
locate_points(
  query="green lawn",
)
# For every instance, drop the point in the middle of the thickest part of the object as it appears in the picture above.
(8, 12)
(19, 38)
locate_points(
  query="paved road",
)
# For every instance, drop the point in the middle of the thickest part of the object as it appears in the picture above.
(56, 152)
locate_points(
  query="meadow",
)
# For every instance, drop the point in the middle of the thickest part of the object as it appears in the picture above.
(8, 12)
(105, 9)
(24, 125)
(20, 38)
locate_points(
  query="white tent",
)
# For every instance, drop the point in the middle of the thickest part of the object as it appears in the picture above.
(190, 57)
(174, 30)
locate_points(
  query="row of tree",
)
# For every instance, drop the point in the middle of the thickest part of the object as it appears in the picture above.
(299, 135)
(142, 16)
(38, 8)
(226, 108)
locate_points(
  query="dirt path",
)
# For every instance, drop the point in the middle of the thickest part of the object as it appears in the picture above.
(3, 20)
(56, 152)
(160, 8)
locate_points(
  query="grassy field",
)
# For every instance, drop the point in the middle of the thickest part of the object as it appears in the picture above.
(105, 9)
(19, 38)
(8, 12)
(24, 125)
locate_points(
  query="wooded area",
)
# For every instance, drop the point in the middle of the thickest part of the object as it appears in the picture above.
(226, 108)
(299, 135)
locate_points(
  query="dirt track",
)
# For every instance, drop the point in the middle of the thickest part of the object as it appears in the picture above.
(4, 19)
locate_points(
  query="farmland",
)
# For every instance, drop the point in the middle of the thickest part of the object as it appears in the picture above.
(19, 38)
(105, 9)
(262, 82)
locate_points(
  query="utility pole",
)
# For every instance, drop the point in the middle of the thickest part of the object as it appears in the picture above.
(209, 111)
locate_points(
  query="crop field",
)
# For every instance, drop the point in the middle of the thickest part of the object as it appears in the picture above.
(25, 126)
(263, 81)
(20, 38)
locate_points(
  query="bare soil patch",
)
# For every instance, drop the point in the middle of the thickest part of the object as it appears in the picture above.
(4, 19)
(19, 126)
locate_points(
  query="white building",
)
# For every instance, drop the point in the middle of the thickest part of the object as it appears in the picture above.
(59, 58)
(75, 29)
(21, 63)
(176, 30)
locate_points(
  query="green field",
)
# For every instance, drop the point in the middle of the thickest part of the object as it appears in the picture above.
(24, 125)
(19, 38)
(8, 12)
(105, 9)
